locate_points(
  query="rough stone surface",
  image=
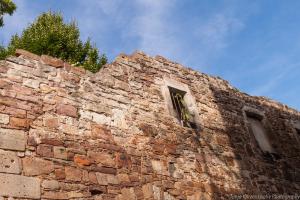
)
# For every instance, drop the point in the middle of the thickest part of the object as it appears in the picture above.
(37, 166)
(12, 139)
(4, 119)
(9, 162)
(55, 62)
(19, 186)
(115, 135)
(67, 110)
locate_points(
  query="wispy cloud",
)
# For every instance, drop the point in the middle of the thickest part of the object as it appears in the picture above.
(215, 32)
(272, 73)
(152, 28)
(15, 23)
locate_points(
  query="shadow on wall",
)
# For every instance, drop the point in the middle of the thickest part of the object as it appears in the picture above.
(233, 160)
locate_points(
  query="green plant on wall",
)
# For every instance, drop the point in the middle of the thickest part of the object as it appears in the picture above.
(50, 35)
(184, 112)
(6, 7)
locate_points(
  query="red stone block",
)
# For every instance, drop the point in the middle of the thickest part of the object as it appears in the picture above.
(60, 174)
(123, 160)
(3, 68)
(81, 160)
(45, 151)
(31, 141)
(37, 166)
(54, 62)
(27, 54)
(74, 69)
(93, 178)
(70, 77)
(101, 132)
(5, 84)
(51, 123)
(68, 110)
(15, 112)
(73, 174)
(105, 170)
(19, 122)
(110, 147)
(52, 141)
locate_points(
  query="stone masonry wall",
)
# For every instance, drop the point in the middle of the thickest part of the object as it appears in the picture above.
(66, 133)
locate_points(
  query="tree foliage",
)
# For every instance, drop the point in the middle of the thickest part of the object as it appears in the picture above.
(6, 7)
(50, 35)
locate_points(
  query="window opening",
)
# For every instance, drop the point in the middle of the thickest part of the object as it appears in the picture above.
(179, 105)
(259, 132)
(298, 131)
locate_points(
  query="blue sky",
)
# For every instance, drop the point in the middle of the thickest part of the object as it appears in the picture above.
(255, 45)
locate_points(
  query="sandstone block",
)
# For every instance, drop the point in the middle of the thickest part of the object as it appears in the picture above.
(105, 179)
(68, 110)
(55, 195)
(102, 178)
(74, 69)
(159, 167)
(52, 141)
(105, 170)
(60, 174)
(112, 179)
(123, 178)
(60, 153)
(4, 119)
(45, 150)
(98, 108)
(14, 112)
(101, 132)
(51, 122)
(19, 122)
(27, 54)
(102, 157)
(128, 194)
(70, 77)
(50, 185)
(74, 194)
(100, 118)
(123, 160)
(5, 84)
(37, 166)
(12, 139)
(10, 162)
(31, 83)
(148, 191)
(73, 174)
(19, 186)
(54, 62)
(93, 178)
(81, 160)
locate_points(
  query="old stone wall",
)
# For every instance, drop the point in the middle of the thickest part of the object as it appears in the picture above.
(66, 133)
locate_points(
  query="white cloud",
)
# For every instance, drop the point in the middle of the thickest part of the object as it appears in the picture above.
(158, 32)
(109, 7)
(275, 71)
(152, 28)
(214, 33)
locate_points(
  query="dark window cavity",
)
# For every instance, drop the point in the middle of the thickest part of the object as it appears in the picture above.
(298, 131)
(259, 132)
(179, 105)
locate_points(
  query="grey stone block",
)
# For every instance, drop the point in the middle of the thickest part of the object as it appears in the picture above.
(12, 139)
(10, 162)
(19, 186)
